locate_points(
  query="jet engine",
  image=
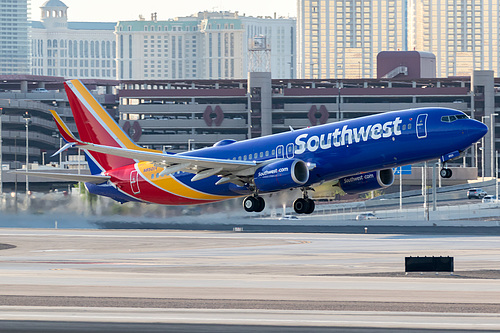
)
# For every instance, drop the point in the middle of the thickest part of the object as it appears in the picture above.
(367, 181)
(281, 174)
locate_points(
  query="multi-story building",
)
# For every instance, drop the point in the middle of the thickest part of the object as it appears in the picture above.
(14, 33)
(341, 38)
(210, 45)
(464, 35)
(71, 49)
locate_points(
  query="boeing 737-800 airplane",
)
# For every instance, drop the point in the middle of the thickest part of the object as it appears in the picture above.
(360, 153)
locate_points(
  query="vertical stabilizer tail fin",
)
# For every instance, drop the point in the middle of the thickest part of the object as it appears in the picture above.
(96, 126)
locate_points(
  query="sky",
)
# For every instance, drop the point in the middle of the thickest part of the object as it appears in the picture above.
(123, 10)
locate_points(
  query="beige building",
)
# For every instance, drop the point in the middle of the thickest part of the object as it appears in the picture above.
(464, 35)
(341, 38)
(81, 50)
(209, 45)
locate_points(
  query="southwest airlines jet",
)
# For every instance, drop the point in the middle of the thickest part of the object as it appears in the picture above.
(360, 153)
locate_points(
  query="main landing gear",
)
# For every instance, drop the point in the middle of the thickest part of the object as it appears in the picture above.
(254, 204)
(303, 205)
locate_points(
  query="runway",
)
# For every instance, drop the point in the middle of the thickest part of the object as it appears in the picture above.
(179, 281)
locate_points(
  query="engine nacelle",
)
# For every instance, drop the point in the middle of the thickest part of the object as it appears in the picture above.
(367, 181)
(281, 175)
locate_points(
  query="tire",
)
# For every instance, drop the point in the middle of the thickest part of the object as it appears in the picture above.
(261, 204)
(301, 206)
(250, 203)
(445, 173)
(311, 205)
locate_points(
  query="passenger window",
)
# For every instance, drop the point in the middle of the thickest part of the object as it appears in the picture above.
(239, 158)
(157, 175)
(267, 153)
(261, 154)
(153, 176)
(273, 152)
(245, 158)
(409, 126)
(255, 156)
(404, 127)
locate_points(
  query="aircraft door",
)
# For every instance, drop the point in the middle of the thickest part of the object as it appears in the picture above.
(280, 151)
(290, 150)
(422, 126)
(134, 182)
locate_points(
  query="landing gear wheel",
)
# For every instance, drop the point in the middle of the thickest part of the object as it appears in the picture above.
(261, 205)
(250, 203)
(254, 204)
(312, 205)
(445, 173)
(301, 206)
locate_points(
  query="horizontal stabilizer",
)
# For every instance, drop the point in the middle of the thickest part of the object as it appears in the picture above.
(95, 179)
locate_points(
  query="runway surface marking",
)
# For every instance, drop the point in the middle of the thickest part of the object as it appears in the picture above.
(258, 317)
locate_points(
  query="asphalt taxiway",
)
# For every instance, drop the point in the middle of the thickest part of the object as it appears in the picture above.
(223, 281)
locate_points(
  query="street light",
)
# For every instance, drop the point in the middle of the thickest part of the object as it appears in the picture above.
(482, 149)
(496, 176)
(27, 118)
(1, 169)
(492, 144)
(482, 159)
(189, 144)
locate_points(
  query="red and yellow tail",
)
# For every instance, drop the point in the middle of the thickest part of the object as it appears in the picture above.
(96, 126)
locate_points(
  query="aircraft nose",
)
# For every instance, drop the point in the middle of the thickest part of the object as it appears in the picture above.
(477, 130)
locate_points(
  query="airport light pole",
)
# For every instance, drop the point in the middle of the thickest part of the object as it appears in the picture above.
(496, 176)
(482, 148)
(482, 159)
(401, 188)
(189, 144)
(27, 118)
(1, 168)
(492, 143)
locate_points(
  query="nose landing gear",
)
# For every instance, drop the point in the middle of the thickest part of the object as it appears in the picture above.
(445, 173)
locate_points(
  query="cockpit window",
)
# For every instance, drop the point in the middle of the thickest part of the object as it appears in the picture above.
(452, 118)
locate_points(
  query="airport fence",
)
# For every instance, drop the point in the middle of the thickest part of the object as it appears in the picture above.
(477, 211)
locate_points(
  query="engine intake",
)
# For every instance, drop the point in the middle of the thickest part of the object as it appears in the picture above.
(281, 175)
(367, 181)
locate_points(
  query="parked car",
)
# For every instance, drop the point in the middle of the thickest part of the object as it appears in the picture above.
(365, 216)
(40, 90)
(476, 193)
(289, 217)
(489, 198)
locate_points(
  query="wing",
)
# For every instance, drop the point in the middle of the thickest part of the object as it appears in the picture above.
(229, 171)
(202, 167)
(95, 179)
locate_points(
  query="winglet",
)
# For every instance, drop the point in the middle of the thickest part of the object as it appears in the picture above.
(63, 129)
(65, 147)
